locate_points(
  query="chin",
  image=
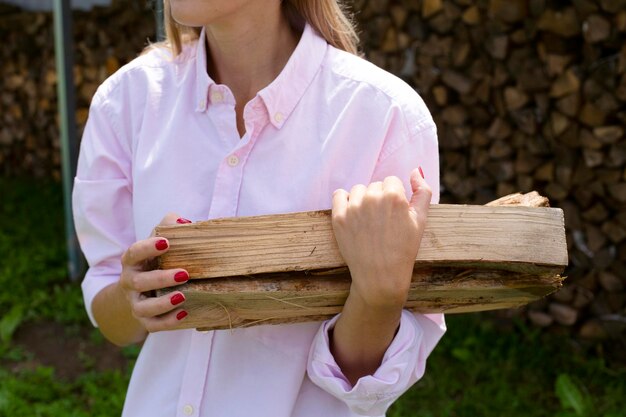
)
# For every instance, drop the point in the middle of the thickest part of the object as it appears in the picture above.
(196, 13)
(189, 12)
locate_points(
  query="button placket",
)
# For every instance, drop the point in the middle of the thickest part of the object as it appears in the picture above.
(195, 375)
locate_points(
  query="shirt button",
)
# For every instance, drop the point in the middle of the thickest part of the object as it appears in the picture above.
(216, 97)
(188, 410)
(279, 117)
(233, 160)
(202, 104)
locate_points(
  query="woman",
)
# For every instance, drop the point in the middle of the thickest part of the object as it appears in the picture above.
(256, 107)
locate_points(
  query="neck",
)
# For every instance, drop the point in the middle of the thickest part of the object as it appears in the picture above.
(248, 51)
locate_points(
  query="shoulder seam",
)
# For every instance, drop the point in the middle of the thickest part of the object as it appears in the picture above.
(423, 126)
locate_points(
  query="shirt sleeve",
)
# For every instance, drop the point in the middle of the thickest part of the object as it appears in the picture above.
(102, 199)
(405, 360)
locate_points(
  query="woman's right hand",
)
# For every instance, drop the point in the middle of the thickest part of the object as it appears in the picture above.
(139, 279)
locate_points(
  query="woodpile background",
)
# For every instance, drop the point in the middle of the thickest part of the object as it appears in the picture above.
(527, 95)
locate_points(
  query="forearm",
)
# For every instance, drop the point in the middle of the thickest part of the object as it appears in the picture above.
(362, 335)
(112, 312)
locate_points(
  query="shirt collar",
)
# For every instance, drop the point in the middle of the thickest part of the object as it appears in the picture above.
(281, 95)
(203, 81)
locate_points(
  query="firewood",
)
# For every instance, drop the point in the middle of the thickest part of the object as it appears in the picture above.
(556, 64)
(612, 6)
(610, 282)
(441, 95)
(515, 98)
(457, 81)
(509, 10)
(592, 329)
(540, 318)
(498, 46)
(596, 29)
(569, 105)
(591, 115)
(305, 241)
(563, 22)
(399, 15)
(287, 268)
(563, 314)
(608, 134)
(430, 7)
(567, 83)
(620, 21)
(471, 15)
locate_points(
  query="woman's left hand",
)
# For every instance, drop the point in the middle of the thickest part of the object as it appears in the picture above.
(379, 233)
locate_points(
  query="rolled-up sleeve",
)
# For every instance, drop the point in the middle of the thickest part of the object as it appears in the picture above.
(102, 199)
(402, 365)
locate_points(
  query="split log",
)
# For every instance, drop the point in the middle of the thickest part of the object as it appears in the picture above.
(287, 268)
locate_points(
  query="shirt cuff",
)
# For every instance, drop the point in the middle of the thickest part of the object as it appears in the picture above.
(95, 280)
(402, 365)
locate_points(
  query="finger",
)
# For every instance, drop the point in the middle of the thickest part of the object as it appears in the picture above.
(376, 187)
(393, 185)
(422, 194)
(356, 195)
(164, 322)
(373, 195)
(155, 280)
(170, 219)
(340, 203)
(157, 306)
(143, 250)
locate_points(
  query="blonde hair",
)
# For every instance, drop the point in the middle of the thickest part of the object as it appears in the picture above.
(329, 17)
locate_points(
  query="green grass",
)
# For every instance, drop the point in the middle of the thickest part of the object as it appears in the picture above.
(33, 271)
(481, 368)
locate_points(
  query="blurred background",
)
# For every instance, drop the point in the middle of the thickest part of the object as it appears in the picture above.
(527, 95)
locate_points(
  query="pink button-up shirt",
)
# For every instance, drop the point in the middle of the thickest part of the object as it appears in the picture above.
(162, 137)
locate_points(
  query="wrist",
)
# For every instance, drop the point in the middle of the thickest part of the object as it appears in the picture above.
(380, 291)
(372, 311)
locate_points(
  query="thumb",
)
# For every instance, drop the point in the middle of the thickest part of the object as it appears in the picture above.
(422, 194)
(170, 219)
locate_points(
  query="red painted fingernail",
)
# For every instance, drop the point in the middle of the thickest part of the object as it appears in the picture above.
(421, 172)
(181, 220)
(181, 276)
(177, 298)
(161, 244)
(181, 315)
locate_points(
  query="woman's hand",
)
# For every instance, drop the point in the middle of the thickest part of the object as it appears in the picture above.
(123, 310)
(379, 233)
(140, 278)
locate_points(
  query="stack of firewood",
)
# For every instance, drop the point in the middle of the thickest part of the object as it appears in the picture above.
(526, 94)
(104, 39)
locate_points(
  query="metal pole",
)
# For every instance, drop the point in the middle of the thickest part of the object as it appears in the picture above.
(69, 143)
(160, 27)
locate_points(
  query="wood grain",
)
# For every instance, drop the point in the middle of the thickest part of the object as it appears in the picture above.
(236, 302)
(287, 269)
(510, 236)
